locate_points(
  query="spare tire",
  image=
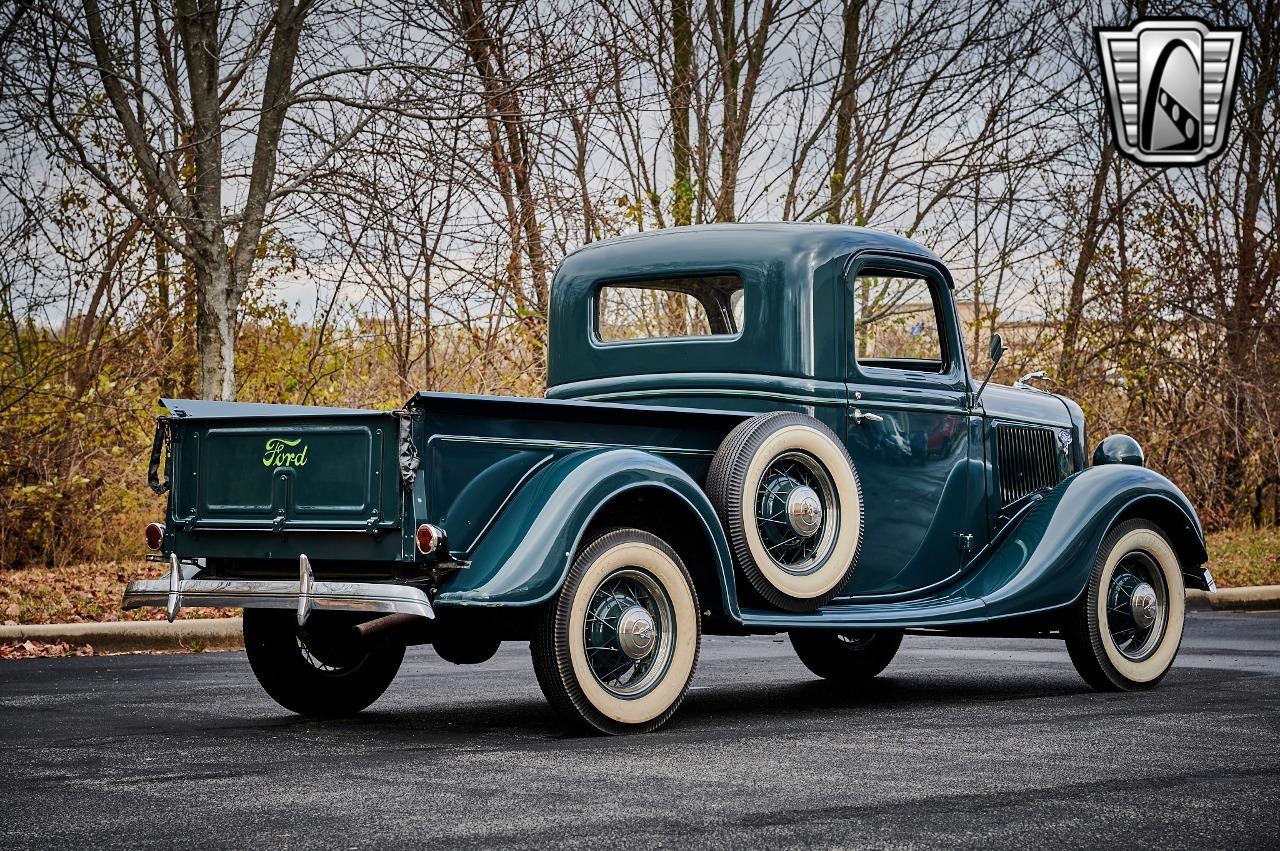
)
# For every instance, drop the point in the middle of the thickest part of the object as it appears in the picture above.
(791, 504)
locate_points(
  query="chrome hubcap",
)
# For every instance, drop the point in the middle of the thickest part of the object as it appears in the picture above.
(804, 511)
(636, 632)
(1142, 603)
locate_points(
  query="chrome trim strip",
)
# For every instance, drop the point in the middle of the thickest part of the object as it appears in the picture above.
(286, 529)
(904, 405)
(279, 594)
(811, 401)
(715, 391)
(1019, 420)
(563, 444)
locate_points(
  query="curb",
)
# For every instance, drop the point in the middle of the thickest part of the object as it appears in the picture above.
(1251, 599)
(133, 636)
(225, 633)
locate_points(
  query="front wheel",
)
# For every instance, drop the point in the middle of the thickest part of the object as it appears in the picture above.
(617, 647)
(320, 673)
(846, 656)
(1124, 632)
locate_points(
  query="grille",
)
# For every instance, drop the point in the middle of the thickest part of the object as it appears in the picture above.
(1027, 459)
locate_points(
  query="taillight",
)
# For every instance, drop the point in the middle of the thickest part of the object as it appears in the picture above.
(430, 538)
(154, 535)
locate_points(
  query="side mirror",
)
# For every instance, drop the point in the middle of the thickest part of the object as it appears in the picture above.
(997, 351)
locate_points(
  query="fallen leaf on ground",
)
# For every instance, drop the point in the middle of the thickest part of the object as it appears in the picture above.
(42, 650)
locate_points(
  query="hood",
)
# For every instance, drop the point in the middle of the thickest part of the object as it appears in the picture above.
(1002, 402)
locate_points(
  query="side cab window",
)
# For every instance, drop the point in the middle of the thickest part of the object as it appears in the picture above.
(901, 324)
(898, 321)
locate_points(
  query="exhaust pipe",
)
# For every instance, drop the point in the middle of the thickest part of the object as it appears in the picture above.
(397, 628)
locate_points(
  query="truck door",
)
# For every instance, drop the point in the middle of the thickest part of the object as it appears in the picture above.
(907, 424)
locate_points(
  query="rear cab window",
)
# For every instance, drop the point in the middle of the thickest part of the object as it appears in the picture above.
(683, 307)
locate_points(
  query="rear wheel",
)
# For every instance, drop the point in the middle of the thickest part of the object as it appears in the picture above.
(617, 647)
(320, 672)
(846, 656)
(1125, 630)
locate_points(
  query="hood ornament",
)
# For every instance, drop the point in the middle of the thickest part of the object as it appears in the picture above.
(1023, 382)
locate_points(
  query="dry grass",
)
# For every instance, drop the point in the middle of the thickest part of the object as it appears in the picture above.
(1246, 556)
(91, 592)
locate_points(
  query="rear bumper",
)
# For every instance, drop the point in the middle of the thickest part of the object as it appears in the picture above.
(183, 587)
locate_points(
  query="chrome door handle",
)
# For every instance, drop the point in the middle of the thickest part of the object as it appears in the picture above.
(859, 417)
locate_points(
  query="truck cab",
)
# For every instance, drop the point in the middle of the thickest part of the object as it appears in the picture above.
(856, 328)
(746, 429)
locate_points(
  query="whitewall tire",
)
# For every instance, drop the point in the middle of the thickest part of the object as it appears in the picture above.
(617, 647)
(1125, 631)
(791, 503)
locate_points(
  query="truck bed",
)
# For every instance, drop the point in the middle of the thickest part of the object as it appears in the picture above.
(255, 486)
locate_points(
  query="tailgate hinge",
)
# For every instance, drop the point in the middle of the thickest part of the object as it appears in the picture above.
(406, 452)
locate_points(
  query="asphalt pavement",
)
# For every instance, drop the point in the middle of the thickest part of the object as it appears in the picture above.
(960, 743)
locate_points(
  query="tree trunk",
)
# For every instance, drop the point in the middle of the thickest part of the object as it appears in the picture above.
(730, 70)
(1067, 360)
(509, 137)
(681, 100)
(1243, 329)
(846, 107)
(741, 62)
(215, 331)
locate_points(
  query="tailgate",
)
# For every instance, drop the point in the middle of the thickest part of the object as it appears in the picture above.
(276, 468)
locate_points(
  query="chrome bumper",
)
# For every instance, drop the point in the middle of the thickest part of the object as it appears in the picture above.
(182, 587)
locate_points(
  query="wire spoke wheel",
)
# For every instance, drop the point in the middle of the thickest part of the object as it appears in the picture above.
(846, 656)
(628, 634)
(1137, 606)
(320, 671)
(329, 657)
(791, 504)
(1124, 631)
(796, 511)
(616, 649)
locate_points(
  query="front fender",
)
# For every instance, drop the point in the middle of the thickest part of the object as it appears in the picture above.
(524, 558)
(1044, 562)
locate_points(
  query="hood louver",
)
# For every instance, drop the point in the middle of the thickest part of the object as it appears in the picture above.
(1026, 460)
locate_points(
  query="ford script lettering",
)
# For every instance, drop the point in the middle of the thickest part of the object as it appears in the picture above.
(284, 453)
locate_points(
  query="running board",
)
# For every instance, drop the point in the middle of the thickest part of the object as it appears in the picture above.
(905, 614)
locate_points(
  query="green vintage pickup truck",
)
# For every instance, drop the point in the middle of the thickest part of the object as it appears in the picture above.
(748, 429)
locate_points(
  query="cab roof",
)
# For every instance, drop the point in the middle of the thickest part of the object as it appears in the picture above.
(793, 283)
(741, 241)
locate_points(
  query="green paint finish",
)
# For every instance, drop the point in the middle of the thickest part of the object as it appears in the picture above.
(246, 486)
(517, 483)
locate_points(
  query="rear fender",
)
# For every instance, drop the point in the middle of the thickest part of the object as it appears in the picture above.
(524, 557)
(1044, 562)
